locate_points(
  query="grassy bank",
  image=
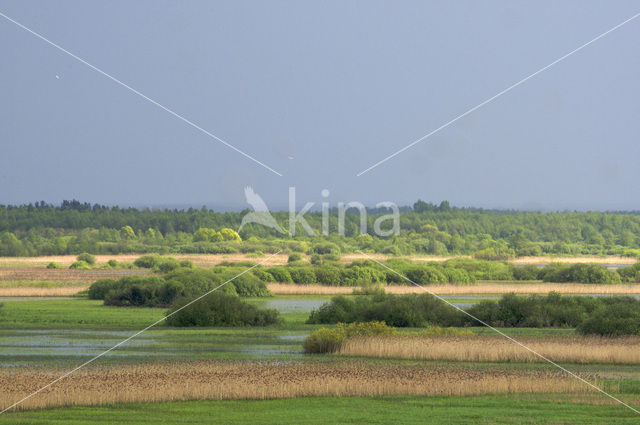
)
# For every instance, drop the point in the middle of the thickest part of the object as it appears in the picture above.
(496, 409)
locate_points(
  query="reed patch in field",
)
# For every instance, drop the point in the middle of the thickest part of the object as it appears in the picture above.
(214, 380)
(199, 260)
(62, 275)
(41, 291)
(573, 349)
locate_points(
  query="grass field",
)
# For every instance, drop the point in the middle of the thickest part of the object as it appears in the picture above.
(496, 409)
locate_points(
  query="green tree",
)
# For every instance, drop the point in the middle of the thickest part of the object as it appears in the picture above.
(127, 233)
(230, 235)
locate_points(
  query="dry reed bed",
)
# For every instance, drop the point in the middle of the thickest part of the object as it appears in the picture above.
(259, 380)
(572, 260)
(489, 288)
(41, 291)
(61, 275)
(200, 260)
(208, 260)
(575, 349)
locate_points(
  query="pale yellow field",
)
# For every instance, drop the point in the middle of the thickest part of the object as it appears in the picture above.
(200, 260)
(573, 260)
(41, 291)
(32, 274)
(209, 260)
(260, 380)
(573, 349)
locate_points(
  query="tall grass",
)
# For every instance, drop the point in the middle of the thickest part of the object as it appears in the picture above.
(252, 380)
(496, 348)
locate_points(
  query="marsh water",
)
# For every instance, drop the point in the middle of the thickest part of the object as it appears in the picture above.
(23, 347)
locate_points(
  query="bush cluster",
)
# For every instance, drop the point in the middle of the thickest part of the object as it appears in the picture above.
(582, 272)
(161, 264)
(608, 316)
(163, 291)
(218, 309)
(411, 310)
(363, 272)
(326, 340)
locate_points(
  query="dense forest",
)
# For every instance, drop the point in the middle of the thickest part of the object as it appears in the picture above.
(74, 227)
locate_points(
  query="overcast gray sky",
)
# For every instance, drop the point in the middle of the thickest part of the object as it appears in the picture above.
(320, 91)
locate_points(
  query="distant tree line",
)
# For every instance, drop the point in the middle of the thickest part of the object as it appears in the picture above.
(74, 227)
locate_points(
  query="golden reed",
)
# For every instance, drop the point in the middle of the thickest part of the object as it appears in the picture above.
(213, 380)
(571, 349)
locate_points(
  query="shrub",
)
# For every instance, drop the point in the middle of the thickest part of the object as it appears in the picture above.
(424, 275)
(528, 272)
(355, 275)
(581, 272)
(280, 274)
(329, 275)
(112, 263)
(167, 264)
(80, 265)
(53, 265)
(491, 254)
(302, 274)
(331, 257)
(294, 257)
(147, 261)
(142, 291)
(219, 309)
(247, 285)
(618, 316)
(588, 314)
(99, 289)
(396, 310)
(263, 275)
(454, 275)
(630, 273)
(326, 340)
(483, 269)
(87, 258)
(195, 281)
(326, 248)
(316, 259)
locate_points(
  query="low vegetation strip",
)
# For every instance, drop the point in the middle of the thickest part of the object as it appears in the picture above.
(495, 349)
(608, 316)
(259, 380)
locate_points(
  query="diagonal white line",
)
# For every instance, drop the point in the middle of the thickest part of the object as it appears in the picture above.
(134, 335)
(480, 105)
(503, 334)
(109, 76)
